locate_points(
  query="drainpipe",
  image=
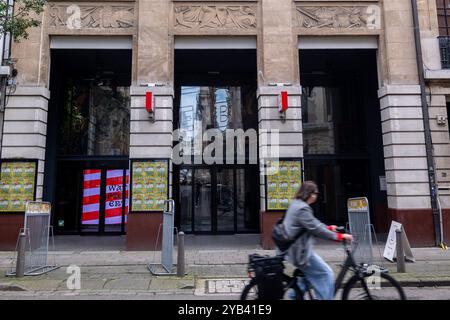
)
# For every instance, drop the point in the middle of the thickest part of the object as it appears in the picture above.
(426, 123)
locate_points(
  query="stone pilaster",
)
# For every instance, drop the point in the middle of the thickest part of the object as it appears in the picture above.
(404, 147)
(155, 45)
(397, 47)
(290, 143)
(151, 140)
(278, 49)
(25, 128)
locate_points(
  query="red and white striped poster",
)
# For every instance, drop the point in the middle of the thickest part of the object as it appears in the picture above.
(127, 187)
(91, 197)
(114, 197)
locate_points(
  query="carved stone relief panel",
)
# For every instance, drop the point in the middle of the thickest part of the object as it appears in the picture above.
(91, 16)
(207, 16)
(337, 17)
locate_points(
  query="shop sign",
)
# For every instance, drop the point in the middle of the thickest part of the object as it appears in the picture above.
(37, 207)
(358, 205)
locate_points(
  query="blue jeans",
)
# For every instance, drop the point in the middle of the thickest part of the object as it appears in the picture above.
(320, 276)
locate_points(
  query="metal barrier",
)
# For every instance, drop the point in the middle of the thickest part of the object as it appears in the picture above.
(167, 245)
(361, 229)
(33, 242)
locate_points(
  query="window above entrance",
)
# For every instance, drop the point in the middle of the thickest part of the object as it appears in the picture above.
(217, 111)
(92, 101)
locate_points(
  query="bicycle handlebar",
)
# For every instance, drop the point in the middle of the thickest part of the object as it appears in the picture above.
(341, 230)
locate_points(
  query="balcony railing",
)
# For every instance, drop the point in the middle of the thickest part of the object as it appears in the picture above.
(444, 48)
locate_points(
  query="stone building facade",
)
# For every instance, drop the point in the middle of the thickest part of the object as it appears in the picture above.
(278, 31)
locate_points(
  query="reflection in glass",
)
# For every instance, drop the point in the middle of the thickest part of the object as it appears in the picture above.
(94, 120)
(333, 120)
(221, 108)
(186, 199)
(240, 201)
(247, 199)
(318, 125)
(202, 200)
(225, 200)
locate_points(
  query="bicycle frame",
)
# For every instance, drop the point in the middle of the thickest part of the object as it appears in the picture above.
(348, 264)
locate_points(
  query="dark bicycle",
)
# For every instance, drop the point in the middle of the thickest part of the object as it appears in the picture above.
(270, 282)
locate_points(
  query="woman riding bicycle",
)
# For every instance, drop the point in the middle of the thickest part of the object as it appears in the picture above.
(300, 217)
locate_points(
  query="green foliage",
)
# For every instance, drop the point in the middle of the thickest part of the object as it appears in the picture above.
(24, 17)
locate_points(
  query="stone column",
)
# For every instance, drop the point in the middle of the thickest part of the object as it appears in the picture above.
(398, 48)
(406, 162)
(25, 118)
(278, 63)
(25, 128)
(441, 145)
(278, 49)
(272, 130)
(155, 45)
(151, 140)
(25, 115)
(402, 126)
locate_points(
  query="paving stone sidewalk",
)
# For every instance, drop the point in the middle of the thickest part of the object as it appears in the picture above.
(126, 271)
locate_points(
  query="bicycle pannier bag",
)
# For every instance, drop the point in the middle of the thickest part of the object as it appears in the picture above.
(269, 278)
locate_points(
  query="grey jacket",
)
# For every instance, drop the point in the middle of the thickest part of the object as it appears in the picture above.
(300, 216)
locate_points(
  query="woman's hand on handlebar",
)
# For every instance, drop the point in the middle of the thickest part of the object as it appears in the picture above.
(333, 228)
(347, 237)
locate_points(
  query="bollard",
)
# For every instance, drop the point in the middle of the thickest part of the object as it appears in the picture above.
(180, 259)
(20, 263)
(400, 251)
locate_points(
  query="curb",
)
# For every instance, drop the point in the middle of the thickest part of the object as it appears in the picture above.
(424, 283)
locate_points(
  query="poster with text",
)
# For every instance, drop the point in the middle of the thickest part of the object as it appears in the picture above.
(282, 183)
(17, 185)
(149, 185)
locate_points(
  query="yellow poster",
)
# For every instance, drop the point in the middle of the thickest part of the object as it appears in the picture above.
(358, 204)
(150, 185)
(17, 185)
(284, 178)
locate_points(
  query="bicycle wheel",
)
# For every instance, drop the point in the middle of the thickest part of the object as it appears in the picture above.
(383, 288)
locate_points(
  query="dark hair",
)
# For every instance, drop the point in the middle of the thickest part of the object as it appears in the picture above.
(306, 190)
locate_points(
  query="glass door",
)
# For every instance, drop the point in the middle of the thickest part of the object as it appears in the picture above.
(218, 199)
(116, 202)
(186, 200)
(202, 201)
(224, 200)
(338, 180)
(105, 200)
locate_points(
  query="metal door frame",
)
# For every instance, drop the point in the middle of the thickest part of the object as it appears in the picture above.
(213, 169)
(102, 208)
(102, 163)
